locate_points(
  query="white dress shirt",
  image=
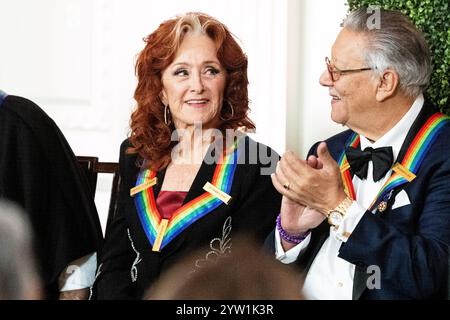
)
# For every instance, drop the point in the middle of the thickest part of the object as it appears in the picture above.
(330, 277)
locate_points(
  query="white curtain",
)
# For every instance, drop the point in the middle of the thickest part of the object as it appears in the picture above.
(75, 58)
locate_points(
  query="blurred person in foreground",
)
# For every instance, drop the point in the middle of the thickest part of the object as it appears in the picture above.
(190, 176)
(19, 279)
(247, 273)
(39, 172)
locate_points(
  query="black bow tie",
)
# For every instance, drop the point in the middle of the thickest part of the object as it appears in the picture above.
(382, 159)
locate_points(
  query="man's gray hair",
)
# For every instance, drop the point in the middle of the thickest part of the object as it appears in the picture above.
(394, 43)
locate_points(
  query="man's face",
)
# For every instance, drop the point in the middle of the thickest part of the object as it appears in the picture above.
(353, 93)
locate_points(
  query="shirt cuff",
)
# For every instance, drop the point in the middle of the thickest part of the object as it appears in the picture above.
(292, 254)
(79, 274)
(351, 219)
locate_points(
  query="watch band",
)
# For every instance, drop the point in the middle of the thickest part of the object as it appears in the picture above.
(342, 207)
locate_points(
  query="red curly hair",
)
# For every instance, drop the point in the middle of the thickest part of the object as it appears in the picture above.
(150, 136)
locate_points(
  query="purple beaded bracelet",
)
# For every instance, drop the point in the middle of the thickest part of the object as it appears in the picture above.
(295, 239)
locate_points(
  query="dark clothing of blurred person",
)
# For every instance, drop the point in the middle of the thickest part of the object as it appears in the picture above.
(39, 171)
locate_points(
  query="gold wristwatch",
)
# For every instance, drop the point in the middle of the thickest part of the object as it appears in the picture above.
(336, 215)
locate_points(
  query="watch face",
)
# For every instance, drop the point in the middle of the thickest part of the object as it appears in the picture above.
(335, 218)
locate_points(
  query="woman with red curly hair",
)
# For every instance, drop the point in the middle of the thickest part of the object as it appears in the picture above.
(190, 176)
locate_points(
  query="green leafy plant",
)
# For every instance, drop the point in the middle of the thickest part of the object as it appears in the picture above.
(432, 17)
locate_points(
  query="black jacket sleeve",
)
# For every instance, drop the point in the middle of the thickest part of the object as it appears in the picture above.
(259, 200)
(113, 279)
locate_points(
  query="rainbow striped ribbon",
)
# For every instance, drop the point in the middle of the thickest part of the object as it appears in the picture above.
(345, 166)
(189, 212)
(415, 154)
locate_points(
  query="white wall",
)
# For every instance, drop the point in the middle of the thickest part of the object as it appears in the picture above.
(75, 58)
(314, 25)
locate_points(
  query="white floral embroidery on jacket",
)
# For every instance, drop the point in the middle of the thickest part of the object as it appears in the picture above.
(220, 247)
(134, 271)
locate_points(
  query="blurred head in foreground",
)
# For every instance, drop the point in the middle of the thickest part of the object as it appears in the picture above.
(19, 279)
(246, 273)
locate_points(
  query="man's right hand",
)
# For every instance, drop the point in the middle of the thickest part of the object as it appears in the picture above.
(297, 218)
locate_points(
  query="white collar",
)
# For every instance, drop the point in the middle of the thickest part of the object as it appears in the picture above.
(396, 136)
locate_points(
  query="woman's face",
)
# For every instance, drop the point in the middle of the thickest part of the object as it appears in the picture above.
(194, 83)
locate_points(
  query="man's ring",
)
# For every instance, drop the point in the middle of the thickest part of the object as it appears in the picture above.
(286, 186)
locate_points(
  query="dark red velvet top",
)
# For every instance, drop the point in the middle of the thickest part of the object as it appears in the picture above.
(169, 201)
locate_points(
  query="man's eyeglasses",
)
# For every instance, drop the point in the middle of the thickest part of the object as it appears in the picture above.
(335, 73)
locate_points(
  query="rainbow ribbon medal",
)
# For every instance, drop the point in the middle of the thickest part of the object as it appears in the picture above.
(344, 166)
(161, 232)
(406, 170)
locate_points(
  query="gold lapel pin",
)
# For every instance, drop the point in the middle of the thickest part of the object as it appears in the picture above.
(143, 186)
(212, 189)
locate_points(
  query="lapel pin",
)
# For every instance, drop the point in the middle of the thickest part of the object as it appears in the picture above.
(212, 189)
(143, 186)
(404, 172)
(382, 206)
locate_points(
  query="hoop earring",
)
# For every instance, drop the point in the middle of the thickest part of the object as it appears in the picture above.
(166, 114)
(232, 113)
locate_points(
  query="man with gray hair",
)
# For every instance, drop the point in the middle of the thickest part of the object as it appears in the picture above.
(19, 278)
(367, 215)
